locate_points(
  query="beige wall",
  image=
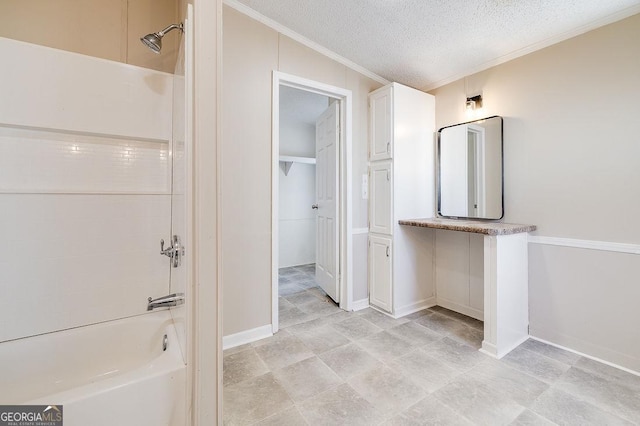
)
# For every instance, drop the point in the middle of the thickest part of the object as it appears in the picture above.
(108, 29)
(251, 51)
(572, 168)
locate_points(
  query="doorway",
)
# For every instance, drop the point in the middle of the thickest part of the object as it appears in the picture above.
(311, 200)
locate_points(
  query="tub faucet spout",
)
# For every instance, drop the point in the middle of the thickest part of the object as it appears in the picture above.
(168, 301)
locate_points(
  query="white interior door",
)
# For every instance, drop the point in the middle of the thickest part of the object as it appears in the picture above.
(327, 142)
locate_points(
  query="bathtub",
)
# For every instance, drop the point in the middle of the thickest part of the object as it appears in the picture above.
(104, 374)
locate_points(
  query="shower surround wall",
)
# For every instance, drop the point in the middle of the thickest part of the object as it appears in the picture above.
(85, 166)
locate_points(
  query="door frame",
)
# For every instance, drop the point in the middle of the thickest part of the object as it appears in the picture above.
(345, 244)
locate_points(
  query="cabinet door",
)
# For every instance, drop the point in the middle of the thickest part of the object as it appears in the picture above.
(380, 272)
(381, 124)
(380, 198)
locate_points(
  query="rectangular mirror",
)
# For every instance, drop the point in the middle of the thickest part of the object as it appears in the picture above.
(470, 170)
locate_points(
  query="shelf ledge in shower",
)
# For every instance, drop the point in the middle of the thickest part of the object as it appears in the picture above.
(20, 130)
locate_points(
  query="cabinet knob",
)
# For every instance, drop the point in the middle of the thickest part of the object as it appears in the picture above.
(387, 251)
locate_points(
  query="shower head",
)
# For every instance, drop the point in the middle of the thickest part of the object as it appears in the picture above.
(154, 40)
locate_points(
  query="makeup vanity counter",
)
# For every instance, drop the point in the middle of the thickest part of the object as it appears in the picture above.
(506, 278)
(477, 227)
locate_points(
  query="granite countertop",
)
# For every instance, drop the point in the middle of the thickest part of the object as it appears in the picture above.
(475, 226)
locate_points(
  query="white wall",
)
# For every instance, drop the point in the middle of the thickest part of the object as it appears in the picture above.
(297, 138)
(250, 54)
(297, 221)
(571, 168)
(299, 111)
(84, 192)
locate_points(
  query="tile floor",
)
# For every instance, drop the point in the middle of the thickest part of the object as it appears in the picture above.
(330, 367)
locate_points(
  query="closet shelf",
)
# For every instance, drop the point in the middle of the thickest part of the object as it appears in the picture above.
(288, 161)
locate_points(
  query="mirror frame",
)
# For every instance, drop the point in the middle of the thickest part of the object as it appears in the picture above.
(438, 174)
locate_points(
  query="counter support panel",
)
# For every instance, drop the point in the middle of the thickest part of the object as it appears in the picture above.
(506, 280)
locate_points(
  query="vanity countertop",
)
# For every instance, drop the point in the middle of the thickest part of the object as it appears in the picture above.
(475, 226)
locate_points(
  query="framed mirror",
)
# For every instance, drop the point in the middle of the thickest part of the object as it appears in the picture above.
(470, 170)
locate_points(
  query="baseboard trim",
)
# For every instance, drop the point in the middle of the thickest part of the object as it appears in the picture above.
(586, 244)
(492, 350)
(383, 312)
(610, 364)
(489, 349)
(414, 307)
(515, 345)
(247, 336)
(358, 305)
(465, 310)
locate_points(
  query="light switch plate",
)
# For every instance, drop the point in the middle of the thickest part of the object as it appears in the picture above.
(365, 186)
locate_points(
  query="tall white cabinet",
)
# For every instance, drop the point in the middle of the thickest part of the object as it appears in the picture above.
(402, 185)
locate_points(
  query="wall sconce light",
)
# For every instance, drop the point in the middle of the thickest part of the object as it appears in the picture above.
(474, 102)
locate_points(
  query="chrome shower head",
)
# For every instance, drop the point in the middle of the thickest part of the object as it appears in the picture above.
(154, 40)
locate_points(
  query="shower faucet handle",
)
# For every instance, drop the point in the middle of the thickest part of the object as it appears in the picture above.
(174, 251)
(168, 251)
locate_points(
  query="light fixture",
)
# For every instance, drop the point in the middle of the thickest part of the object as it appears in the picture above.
(474, 102)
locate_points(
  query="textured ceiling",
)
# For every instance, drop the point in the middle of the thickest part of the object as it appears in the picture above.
(426, 43)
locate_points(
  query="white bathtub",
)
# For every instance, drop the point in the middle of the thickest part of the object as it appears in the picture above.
(104, 374)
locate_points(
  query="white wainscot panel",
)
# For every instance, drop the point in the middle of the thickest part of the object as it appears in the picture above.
(459, 266)
(452, 267)
(44, 161)
(71, 260)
